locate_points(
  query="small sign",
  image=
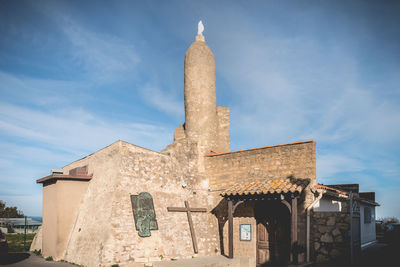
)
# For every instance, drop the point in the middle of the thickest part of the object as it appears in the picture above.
(245, 232)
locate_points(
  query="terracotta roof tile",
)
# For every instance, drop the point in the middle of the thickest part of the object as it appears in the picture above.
(268, 186)
(320, 186)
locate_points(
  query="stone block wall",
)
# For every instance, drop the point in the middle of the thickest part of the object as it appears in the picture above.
(106, 212)
(297, 160)
(330, 236)
(244, 214)
(280, 161)
(223, 139)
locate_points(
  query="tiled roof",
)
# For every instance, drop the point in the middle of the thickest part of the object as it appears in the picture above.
(269, 186)
(343, 194)
(321, 186)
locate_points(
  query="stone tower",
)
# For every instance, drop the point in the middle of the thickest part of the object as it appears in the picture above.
(200, 96)
(206, 127)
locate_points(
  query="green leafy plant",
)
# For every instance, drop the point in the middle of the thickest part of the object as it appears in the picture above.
(50, 258)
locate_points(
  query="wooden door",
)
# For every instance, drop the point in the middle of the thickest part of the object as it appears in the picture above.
(263, 251)
(273, 234)
(280, 241)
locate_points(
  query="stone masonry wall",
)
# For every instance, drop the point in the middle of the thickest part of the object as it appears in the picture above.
(106, 213)
(91, 231)
(223, 139)
(297, 160)
(244, 214)
(330, 231)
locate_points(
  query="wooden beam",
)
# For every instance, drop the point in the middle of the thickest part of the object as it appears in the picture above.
(230, 228)
(293, 255)
(184, 209)
(236, 204)
(192, 232)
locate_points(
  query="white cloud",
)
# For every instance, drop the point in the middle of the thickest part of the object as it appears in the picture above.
(331, 164)
(41, 92)
(104, 57)
(162, 100)
(74, 129)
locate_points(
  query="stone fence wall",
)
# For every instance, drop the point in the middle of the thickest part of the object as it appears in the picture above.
(330, 236)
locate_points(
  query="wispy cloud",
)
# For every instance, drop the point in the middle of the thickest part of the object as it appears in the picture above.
(42, 92)
(331, 164)
(104, 57)
(162, 100)
(74, 129)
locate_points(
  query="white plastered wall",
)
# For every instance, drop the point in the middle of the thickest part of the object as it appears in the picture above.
(368, 231)
(328, 205)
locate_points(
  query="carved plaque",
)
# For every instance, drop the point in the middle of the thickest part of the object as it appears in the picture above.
(144, 214)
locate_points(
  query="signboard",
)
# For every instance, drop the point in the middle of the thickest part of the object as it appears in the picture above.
(245, 232)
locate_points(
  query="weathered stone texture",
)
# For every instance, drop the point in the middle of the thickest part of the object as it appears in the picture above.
(200, 96)
(244, 214)
(296, 160)
(329, 235)
(223, 139)
(111, 219)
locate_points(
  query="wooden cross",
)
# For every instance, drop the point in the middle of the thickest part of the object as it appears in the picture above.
(189, 211)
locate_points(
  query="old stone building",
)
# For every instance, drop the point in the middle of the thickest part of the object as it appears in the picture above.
(131, 206)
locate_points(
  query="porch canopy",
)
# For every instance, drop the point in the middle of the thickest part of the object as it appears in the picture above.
(285, 190)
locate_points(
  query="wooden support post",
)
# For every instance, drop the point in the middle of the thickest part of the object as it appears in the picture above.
(230, 228)
(189, 211)
(294, 244)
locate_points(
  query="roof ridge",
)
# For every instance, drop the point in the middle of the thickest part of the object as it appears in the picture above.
(256, 148)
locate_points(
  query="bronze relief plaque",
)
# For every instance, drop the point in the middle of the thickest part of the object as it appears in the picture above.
(144, 214)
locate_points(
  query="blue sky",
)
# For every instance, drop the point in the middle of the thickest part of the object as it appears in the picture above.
(76, 76)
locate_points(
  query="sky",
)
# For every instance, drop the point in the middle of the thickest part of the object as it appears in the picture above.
(75, 76)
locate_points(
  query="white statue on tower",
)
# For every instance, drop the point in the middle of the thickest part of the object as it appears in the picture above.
(200, 28)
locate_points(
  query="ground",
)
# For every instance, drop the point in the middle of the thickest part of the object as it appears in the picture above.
(16, 242)
(377, 255)
(26, 259)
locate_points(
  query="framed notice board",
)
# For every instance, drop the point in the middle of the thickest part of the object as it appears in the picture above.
(245, 232)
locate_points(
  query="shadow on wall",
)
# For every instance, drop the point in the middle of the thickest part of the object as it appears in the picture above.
(221, 213)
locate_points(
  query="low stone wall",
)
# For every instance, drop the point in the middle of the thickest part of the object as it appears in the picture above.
(330, 236)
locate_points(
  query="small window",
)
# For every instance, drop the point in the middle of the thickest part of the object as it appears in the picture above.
(367, 215)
